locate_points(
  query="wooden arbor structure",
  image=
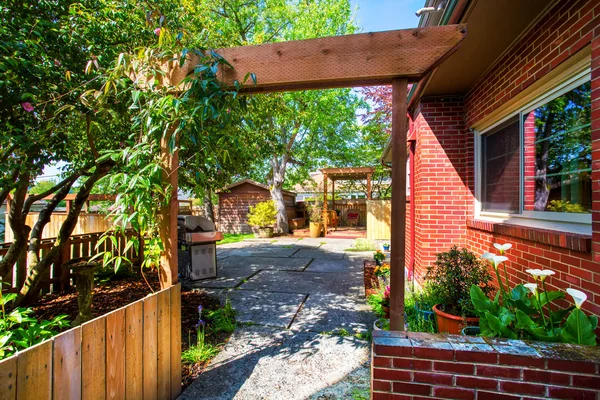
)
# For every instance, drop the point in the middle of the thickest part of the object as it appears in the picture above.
(343, 174)
(382, 58)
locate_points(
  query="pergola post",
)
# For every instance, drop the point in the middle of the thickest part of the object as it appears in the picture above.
(398, 220)
(369, 194)
(325, 204)
(168, 229)
(333, 196)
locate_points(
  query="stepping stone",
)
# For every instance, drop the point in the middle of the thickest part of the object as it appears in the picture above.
(305, 253)
(326, 313)
(306, 282)
(265, 308)
(328, 265)
(258, 263)
(226, 278)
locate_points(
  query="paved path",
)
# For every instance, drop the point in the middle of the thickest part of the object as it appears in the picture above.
(299, 304)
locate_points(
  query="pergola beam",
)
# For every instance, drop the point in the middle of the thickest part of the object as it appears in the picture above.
(338, 61)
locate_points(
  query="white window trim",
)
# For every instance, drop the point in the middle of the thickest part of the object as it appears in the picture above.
(573, 222)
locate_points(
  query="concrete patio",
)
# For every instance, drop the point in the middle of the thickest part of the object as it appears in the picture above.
(299, 305)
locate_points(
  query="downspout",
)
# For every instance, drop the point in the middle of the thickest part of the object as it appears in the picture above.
(413, 145)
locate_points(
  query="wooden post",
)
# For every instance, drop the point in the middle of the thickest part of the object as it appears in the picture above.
(325, 204)
(368, 186)
(168, 228)
(399, 87)
(333, 197)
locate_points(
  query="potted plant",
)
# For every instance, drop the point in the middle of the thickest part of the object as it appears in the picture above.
(316, 220)
(450, 279)
(378, 256)
(382, 272)
(424, 302)
(262, 216)
(385, 247)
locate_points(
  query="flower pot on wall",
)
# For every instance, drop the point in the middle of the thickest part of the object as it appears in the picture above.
(452, 324)
(315, 229)
(265, 232)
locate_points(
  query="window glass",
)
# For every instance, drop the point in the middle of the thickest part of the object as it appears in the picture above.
(501, 168)
(557, 154)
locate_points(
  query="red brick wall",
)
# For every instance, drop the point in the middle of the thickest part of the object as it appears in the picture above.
(421, 365)
(440, 181)
(444, 177)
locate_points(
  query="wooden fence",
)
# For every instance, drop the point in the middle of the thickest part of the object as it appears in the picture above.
(86, 223)
(56, 279)
(379, 216)
(131, 353)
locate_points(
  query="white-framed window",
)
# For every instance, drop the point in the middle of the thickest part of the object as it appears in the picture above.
(536, 163)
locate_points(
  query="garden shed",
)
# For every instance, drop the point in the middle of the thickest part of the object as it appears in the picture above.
(236, 199)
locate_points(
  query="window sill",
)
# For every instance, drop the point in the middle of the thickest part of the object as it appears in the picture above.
(558, 237)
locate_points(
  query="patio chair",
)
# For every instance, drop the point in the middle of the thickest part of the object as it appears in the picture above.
(332, 219)
(353, 215)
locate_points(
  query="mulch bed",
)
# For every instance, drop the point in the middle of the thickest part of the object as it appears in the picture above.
(115, 294)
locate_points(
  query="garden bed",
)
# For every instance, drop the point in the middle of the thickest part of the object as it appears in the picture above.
(117, 293)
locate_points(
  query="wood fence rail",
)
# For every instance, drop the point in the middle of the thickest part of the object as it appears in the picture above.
(131, 353)
(56, 279)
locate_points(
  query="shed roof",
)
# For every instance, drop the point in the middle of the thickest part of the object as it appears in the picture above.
(251, 182)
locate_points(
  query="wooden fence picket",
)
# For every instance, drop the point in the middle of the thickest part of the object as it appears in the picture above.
(115, 354)
(34, 372)
(66, 365)
(164, 344)
(93, 359)
(150, 368)
(134, 319)
(8, 379)
(175, 296)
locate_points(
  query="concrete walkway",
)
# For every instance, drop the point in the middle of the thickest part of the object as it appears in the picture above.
(299, 304)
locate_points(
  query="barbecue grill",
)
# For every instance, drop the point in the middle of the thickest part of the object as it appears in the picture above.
(197, 243)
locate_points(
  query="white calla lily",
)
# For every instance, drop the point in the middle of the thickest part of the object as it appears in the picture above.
(578, 296)
(532, 288)
(497, 260)
(487, 255)
(502, 247)
(534, 272)
(543, 274)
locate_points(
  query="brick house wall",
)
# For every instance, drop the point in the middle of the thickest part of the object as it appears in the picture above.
(444, 169)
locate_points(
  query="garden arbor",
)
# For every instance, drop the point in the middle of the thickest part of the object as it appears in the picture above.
(382, 58)
(343, 174)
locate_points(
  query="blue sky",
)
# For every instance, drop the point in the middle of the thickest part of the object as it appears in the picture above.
(385, 15)
(371, 16)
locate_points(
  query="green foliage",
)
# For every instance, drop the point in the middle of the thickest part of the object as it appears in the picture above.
(416, 300)
(451, 278)
(262, 214)
(363, 245)
(378, 256)
(201, 352)
(20, 330)
(235, 237)
(315, 213)
(565, 206)
(222, 319)
(527, 313)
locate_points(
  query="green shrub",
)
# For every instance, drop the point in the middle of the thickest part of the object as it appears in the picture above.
(263, 214)
(315, 214)
(451, 277)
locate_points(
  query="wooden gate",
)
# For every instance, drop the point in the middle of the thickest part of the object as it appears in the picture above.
(379, 218)
(131, 353)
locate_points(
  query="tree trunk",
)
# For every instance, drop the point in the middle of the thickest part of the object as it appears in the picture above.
(18, 227)
(30, 291)
(209, 210)
(542, 190)
(277, 195)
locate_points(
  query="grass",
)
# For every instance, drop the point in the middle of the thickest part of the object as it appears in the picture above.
(235, 237)
(363, 245)
(361, 394)
(219, 321)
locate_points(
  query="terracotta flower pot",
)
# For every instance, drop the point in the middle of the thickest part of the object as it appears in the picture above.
(315, 229)
(453, 324)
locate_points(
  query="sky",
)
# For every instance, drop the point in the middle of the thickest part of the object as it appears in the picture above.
(386, 15)
(371, 16)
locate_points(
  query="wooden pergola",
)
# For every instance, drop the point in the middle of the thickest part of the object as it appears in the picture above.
(383, 58)
(343, 174)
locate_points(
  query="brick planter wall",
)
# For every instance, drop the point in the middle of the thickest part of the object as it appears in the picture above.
(421, 365)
